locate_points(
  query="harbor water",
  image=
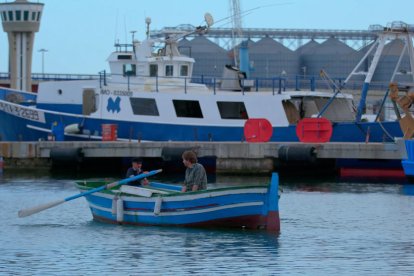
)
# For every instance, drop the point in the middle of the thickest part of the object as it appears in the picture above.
(329, 227)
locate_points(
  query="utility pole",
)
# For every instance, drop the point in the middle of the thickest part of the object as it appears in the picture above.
(43, 51)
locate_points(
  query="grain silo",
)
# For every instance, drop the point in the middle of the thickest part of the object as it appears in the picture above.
(210, 58)
(271, 59)
(333, 56)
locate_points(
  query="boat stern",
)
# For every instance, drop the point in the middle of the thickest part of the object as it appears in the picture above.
(272, 217)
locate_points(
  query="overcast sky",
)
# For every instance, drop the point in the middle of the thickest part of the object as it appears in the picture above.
(79, 34)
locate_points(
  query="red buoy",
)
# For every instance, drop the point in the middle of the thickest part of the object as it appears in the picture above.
(258, 130)
(314, 130)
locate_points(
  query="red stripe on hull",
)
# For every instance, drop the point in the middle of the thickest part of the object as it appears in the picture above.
(352, 172)
(270, 223)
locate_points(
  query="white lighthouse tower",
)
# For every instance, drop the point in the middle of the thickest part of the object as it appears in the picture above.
(21, 19)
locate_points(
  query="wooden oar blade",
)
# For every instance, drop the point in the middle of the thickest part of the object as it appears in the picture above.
(30, 211)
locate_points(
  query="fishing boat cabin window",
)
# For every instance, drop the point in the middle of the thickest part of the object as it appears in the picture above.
(169, 70)
(153, 70)
(184, 70)
(10, 16)
(144, 106)
(3, 16)
(233, 110)
(33, 16)
(188, 109)
(129, 69)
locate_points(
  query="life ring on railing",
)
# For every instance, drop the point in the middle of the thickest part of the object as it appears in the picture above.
(14, 98)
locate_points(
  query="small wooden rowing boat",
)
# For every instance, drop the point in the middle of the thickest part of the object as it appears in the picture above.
(250, 207)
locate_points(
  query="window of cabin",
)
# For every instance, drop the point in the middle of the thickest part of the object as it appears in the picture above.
(129, 69)
(144, 106)
(38, 16)
(153, 70)
(33, 16)
(10, 15)
(232, 110)
(169, 70)
(184, 70)
(18, 15)
(26, 15)
(188, 109)
(3, 16)
(123, 57)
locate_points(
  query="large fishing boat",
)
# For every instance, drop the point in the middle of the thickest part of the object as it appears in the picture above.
(149, 96)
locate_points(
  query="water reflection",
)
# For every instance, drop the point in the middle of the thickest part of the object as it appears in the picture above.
(408, 189)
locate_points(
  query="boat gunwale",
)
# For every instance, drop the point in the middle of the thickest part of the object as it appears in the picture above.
(115, 190)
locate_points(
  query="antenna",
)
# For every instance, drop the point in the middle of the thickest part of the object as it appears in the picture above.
(116, 27)
(133, 36)
(133, 43)
(148, 22)
(125, 30)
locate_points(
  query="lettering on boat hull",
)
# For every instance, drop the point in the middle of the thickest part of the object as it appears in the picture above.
(116, 92)
(22, 112)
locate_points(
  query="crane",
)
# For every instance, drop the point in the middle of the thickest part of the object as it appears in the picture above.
(236, 20)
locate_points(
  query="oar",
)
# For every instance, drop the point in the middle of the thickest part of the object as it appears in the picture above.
(37, 209)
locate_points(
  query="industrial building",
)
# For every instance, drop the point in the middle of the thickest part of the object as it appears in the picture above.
(291, 54)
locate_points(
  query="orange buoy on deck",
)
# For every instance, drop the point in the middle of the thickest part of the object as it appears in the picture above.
(314, 130)
(258, 130)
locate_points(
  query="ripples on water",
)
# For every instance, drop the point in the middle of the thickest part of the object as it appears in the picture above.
(328, 227)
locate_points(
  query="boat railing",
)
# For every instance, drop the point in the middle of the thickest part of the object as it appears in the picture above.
(62, 77)
(275, 84)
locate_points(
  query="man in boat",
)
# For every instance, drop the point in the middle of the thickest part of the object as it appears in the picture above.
(195, 174)
(136, 169)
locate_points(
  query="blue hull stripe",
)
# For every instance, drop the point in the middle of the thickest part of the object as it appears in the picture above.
(16, 129)
(229, 211)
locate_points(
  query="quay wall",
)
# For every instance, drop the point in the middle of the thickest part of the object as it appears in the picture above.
(231, 157)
